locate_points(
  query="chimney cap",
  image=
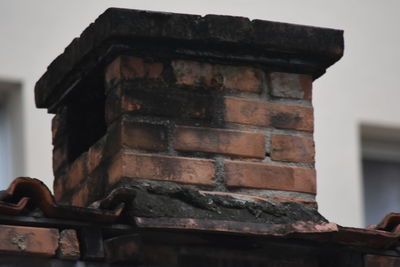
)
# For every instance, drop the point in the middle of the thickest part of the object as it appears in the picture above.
(287, 46)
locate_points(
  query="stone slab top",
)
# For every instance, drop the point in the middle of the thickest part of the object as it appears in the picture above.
(289, 47)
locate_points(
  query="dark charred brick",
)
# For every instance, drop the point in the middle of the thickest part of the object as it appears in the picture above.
(261, 113)
(146, 100)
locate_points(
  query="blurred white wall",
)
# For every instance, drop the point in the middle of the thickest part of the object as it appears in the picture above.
(362, 87)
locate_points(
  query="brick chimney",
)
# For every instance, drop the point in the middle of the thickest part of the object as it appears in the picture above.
(217, 103)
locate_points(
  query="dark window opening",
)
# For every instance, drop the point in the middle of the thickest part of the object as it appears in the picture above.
(381, 171)
(85, 120)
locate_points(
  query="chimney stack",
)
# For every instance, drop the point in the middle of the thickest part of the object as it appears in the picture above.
(220, 104)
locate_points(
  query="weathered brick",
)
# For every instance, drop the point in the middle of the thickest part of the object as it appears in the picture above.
(28, 240)
(292, 117)
(77, 172)
(268, 176)
(68, 245)
(95, 155)
(192, 73)
(223, 141)
(80, 197)
(260, 113)
(381, 261)
(290, 85)
(58, 187)
(292, 148)
(126, 133)
(128, 67)
(160, 167)
(60, 156)
(139, 99)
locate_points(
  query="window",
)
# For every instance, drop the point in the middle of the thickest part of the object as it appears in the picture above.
(11, 133)
(381, 171)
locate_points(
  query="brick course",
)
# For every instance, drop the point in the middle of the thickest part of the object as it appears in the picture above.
(138, 135)
(139, 99)
(160, 167)
(192, 73)
(290, 85)
(28, 240)
(268, 176)
(238, 143)
(260, 113)
(292, 148)
(128, 67)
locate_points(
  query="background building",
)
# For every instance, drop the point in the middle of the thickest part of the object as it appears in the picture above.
(356, 105)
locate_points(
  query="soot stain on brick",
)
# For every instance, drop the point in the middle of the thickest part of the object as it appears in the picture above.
(155, 199)
(282, 119)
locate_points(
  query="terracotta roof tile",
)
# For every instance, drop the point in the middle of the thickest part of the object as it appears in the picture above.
(25, 194)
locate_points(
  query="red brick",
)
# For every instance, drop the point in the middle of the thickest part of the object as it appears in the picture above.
(284, 116)
(260, 113)
(268, 176)
(58, 187)
(95, 155)
(290, 85)
(144, 136)
(292, 148)
(223, 141)
(28, 240)
(240, 78)
(69, 245)
(77, 172)
(160, 167)
(81, 196)
(127, 133)
(381, 261)
(128, 67)
(60, 156)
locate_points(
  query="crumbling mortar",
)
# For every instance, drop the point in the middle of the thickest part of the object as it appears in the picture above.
(265, 87)
(297, 102)
(292, 132)
(220, 174)
(170, 138)
(165, 199)
(292, 164)
(265, 193)
(218, 118)
(265, 129)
